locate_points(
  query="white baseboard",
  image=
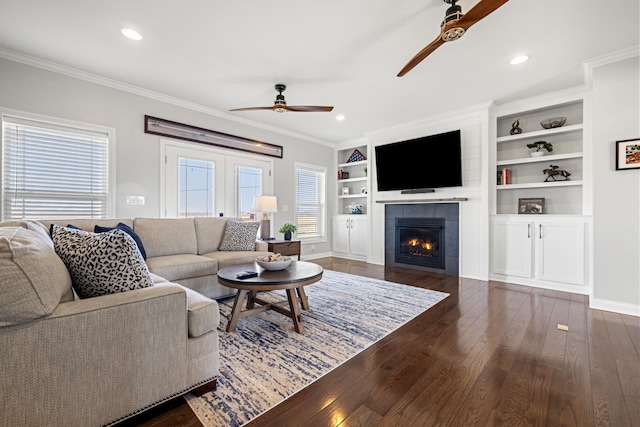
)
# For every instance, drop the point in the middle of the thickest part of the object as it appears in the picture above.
(307, 257)
(615, 306)
(564, 287)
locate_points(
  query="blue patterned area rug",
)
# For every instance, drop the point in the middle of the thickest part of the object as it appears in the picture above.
(264, 360)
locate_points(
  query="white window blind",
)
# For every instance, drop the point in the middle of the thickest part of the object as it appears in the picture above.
(51, 171)
(310, 201)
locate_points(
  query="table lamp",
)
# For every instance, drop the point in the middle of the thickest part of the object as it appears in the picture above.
(266, 205)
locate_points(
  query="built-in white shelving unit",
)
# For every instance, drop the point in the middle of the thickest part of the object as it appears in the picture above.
(527, 173)
(357, 184)
(549, 249)
(350, 236)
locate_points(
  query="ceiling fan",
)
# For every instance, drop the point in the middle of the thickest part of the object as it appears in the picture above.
(453, 26)
(280, 105)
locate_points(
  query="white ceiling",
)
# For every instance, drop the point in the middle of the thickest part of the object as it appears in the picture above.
(229, 54)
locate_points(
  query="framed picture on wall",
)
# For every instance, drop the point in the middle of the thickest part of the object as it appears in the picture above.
(531, 206)
(628, 154)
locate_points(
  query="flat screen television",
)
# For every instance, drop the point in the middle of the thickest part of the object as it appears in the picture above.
(424, 163)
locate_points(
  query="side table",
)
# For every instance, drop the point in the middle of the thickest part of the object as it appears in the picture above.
(284, 247)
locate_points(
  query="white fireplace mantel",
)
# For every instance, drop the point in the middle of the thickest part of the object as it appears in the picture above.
(450, 199)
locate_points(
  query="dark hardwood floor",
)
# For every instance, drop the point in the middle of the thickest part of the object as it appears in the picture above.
(490, 354)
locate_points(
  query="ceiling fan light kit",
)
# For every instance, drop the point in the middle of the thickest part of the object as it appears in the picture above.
(453, 13)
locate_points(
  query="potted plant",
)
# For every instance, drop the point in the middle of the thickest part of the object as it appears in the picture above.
(539, 145)
(287, 229)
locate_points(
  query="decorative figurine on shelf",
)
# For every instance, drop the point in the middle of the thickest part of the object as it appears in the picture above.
(515, 128)
(554, 172)
(355, 207)
(539, 145)
(287, 229)
(356, 156)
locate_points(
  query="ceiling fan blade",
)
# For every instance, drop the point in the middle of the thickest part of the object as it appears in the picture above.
(475, 14)
(280, 105)
(478, 12)
(420, 56)
(309, 108)
(253, 108)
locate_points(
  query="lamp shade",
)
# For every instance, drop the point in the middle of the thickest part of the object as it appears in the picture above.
(265, 204)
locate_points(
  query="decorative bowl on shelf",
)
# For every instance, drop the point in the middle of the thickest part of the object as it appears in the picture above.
(274, 262)
(554, 122)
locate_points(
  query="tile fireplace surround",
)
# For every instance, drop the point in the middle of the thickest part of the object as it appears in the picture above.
(451, 214)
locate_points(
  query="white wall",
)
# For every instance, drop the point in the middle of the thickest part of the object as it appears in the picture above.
(616, 196)
(474, 219)
(40, 91)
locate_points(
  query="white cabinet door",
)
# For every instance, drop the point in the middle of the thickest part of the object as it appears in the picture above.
(512, 247)
(560, 252)
(358, 236)
(340, 234)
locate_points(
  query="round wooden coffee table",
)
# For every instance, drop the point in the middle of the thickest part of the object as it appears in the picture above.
(292, 278)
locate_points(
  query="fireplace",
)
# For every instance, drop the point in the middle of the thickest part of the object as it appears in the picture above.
(420, 241)
(437, 259)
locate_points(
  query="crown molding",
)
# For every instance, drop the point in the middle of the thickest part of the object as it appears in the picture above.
(54, 67)
(590, 64)
(563, 96)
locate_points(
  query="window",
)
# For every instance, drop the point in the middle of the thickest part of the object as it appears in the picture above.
(310, 201)
(54, 170)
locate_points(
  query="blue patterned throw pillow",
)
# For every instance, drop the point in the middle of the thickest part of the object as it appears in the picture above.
(101, 264)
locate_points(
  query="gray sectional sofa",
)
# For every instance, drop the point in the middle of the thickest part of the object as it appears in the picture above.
(182, 250)
(96, 361)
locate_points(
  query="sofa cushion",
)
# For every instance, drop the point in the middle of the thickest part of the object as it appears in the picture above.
(34, 279)
(167, 236)
(101, 264)
(209, 231)
(176, 267)
(239, 236)
(126, 229)
(36, 226)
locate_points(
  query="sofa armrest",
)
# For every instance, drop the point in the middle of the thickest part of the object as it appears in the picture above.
(261, 246)
(94, 360)
(79, 306)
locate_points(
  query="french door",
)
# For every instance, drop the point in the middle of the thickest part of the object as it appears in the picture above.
(204, 181)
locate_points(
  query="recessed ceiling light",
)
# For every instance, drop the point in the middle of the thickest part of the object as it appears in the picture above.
(519, 59)
(340, 117)
(131, 34)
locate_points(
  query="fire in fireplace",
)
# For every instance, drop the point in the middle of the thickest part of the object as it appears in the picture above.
(419, 241)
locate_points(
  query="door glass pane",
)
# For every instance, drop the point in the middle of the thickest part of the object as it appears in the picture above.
(196, 188)
(249, 185)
